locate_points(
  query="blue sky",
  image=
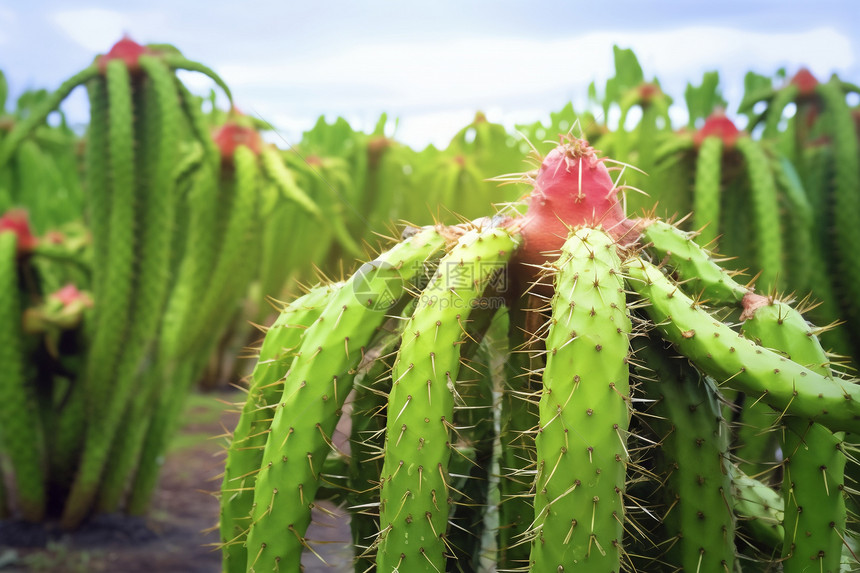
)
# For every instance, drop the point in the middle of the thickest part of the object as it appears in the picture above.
(431, 64)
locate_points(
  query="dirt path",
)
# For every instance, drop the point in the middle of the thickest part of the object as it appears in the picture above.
(174, 538)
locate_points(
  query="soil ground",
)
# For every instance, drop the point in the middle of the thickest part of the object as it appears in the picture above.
(178, 534)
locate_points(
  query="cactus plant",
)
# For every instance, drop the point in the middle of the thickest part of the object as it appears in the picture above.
(571, 441)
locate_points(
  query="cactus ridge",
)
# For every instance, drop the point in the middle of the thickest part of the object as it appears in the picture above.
(584, 412)
(416, 492)
(738, 363)
(317, 385)
(249, 437)
(813, 455)
(706, 198)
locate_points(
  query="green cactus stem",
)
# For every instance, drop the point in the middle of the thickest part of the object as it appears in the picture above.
(738, 363)
(317, 385)
(249, 437)
(814, 460)
(416, 485)
(584, 413)
(694, 454)
(21, 441)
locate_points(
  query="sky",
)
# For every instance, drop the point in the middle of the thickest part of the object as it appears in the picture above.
(431, 65)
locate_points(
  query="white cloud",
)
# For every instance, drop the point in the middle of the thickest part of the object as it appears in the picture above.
(92, 28)
(8, 18)
(96, 29)
(430, 84)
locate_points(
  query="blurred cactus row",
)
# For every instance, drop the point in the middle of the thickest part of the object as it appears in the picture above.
(125, 249)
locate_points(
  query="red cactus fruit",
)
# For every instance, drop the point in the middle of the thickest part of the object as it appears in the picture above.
(126, 50)
(231, 135)
(720, 126)
(70, 294)
(573, 187)
(17, 221)
(805, 82)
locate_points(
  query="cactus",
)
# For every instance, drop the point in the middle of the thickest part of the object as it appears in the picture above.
(563, 445)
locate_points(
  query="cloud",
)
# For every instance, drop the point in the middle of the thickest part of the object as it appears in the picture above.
(96, 29)
(8, 18)
(430, 83)
(92, 28)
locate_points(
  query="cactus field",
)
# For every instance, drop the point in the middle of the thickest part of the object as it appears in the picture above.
(569, 345)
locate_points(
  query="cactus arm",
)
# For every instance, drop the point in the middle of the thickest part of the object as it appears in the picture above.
(177, 62)
(845, 198)
(229, 274)
(706, 198)
(97, 180)
(415, 497)
(775, 109)
(158, 142)
(738, 363)
(814, 461)
(38, 115)
(584, 413)
(274, 167)
(765, 207)
(758, 507)
(317, 385)
(21, 442)
(697, 272)
(245, 453)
